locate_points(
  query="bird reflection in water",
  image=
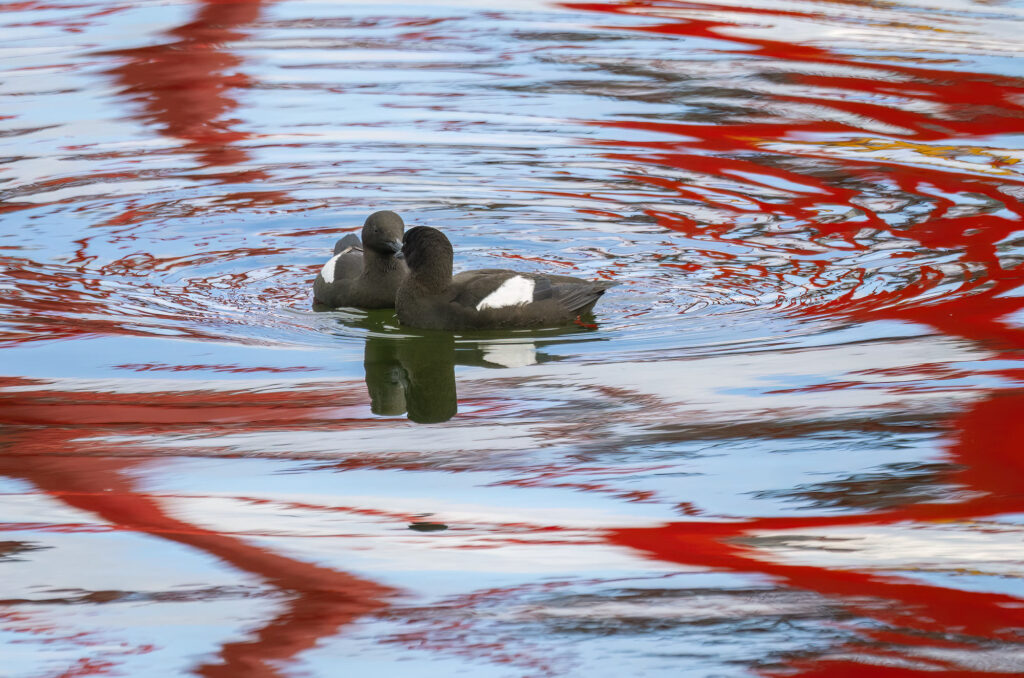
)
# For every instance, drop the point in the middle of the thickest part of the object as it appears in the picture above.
(414, 374)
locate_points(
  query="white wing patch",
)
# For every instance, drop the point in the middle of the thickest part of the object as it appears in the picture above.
(515, 291)
(327, 272)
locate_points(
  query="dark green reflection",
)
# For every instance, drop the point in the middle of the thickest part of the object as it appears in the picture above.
(412, 372)
(415, 375)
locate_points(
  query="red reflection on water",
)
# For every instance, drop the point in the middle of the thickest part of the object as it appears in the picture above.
(51, 427)
(987, 443)
(186, 86)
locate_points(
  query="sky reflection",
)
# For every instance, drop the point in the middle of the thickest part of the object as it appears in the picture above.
(788, 448)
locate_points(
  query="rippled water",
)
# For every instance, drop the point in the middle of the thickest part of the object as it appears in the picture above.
(790, 447)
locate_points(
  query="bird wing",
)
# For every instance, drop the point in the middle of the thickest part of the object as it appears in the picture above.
(498, 288)
(470, 288)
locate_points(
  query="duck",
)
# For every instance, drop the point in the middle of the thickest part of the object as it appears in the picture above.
(431, 298)
(367, 273)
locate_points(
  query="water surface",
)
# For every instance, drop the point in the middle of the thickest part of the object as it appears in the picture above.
(789, 447)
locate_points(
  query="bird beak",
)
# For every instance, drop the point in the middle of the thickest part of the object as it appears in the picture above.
(396, 247)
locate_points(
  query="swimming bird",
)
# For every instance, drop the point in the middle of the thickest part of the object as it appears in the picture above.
(366, 274)
(432, 298)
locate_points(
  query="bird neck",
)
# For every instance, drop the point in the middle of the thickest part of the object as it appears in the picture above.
(435, 277)
(380, 262)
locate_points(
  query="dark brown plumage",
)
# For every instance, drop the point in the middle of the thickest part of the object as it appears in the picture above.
(366, 274)
(432, 298)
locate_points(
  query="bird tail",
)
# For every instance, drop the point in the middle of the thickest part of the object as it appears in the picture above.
(580, 298)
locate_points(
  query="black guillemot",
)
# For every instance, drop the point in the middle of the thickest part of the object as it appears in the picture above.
(366, 274)
(432, 298)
